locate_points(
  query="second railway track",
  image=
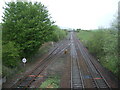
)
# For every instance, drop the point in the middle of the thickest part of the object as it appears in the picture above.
(76, 77)
(26, 81)
(95, 77)
(83, 68)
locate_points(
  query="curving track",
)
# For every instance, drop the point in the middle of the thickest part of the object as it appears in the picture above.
(55, 53)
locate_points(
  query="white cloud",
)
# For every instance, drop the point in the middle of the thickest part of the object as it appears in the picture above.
(86, 14)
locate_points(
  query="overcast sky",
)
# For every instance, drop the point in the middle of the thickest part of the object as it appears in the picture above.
(85, 14)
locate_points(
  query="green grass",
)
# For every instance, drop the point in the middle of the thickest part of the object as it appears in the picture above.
(51, 82)
(84, 36)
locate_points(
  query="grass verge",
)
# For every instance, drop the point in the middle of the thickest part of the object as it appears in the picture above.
(51, 82)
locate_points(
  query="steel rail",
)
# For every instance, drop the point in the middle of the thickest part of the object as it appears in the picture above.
(92, 66)
(44, 67)
(40, 65)
(76, 76)
(80, 72)
(91, 70)
(95, 83)
(98, 71)
(57, 55)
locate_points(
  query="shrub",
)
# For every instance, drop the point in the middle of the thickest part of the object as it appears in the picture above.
(95, 43)
(110, 48)
(58, 34)
(104, 45)
(10, 56)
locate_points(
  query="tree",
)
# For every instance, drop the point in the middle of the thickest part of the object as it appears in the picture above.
(27, 26)
(78, 30)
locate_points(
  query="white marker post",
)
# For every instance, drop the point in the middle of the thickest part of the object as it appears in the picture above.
(24, 61)
(52, 43)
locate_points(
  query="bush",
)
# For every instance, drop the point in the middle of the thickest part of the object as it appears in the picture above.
(6, 71)
(95, 43)
(110, 47)
(104, 45)
(58, 34)
(10, 56)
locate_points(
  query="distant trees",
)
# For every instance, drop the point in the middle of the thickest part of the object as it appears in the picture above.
(78, 30)
(57, 33)
(26, 26)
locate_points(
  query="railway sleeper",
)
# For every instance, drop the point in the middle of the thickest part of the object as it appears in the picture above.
(76, 86)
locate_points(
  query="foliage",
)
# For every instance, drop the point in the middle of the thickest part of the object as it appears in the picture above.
(26, 26)
(110, 49)
(10, 56)
(31, 21)
(95, 43)
(78, 30)
(58, 34)
(6, 71)
(51, 83)
(103, 44)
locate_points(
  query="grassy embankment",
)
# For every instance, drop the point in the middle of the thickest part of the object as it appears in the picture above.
(51, 82)
(103, 44)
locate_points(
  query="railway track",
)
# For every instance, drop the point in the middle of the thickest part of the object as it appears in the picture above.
(84, 71)
(56, 52)
(76, 77)
(98, 80)
(97, 77)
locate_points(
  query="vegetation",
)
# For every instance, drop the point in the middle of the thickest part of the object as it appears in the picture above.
(26, 26)
(78, 30)
(51, 82)
(102, 44)
(57, 33)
